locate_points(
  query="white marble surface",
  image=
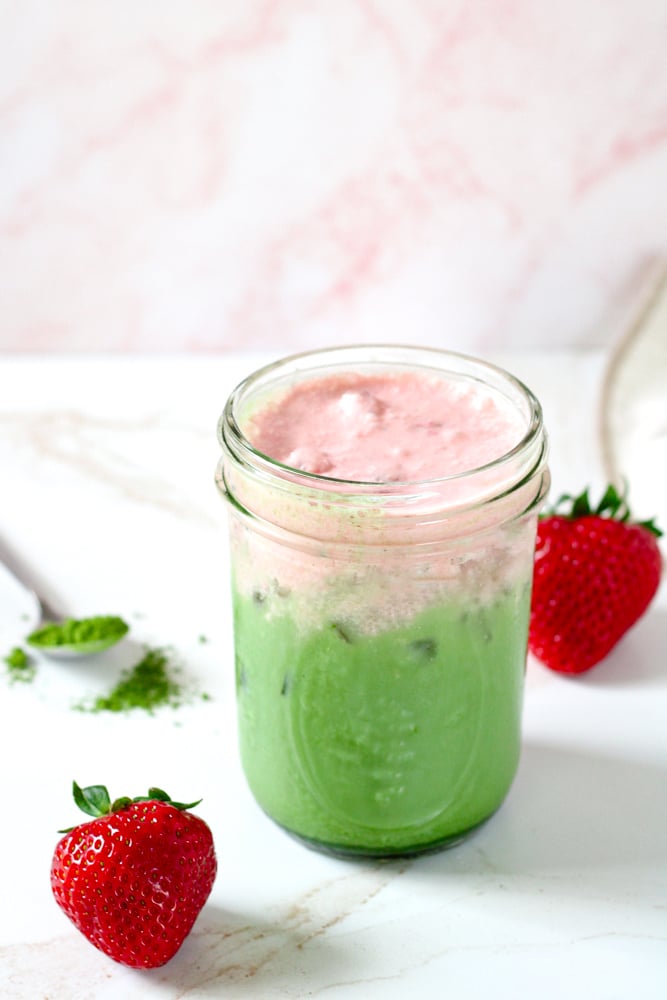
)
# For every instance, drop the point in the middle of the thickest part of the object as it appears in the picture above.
(107, 486)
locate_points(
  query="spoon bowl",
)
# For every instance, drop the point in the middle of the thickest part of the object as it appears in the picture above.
(48, 615)
(72, 651)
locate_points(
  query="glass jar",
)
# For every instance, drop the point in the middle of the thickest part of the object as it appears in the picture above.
(380, 627)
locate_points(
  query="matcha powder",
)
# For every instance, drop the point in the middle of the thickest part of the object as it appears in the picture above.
(20, 666)
(151, 683)
(79, 632)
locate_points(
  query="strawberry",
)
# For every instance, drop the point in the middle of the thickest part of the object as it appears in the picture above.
(134, 878)
(596, 572)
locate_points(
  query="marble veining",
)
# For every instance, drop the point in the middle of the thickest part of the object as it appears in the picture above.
(111, 452)
(305, 173)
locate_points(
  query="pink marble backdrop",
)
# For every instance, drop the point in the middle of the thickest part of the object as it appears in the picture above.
(258, 173)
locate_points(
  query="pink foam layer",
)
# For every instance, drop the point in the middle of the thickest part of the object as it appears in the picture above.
(394, 427)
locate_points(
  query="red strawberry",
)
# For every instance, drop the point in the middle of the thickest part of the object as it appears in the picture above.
(134, 878)
(596, 572)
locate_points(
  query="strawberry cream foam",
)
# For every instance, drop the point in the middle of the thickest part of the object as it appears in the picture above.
(403, 427)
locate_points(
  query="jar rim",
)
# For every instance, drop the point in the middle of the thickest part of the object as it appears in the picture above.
(308, 363)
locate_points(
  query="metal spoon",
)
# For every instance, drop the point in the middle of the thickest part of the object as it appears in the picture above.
(633, 402)
(47, 611)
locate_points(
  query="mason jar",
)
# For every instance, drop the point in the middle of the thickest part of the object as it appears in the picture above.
(380, 627)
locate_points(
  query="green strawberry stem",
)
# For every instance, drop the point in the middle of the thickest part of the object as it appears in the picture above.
(96, 801)
(613, 505)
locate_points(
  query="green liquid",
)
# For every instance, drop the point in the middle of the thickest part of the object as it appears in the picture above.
(387, 743)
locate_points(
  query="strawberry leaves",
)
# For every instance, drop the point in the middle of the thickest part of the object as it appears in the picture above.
(94, 800)
(613, 505)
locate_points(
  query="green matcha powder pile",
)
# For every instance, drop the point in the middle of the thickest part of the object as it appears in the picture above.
(20, 666)
(151, 683)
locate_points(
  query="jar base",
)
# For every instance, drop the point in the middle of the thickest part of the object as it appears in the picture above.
(348, 852)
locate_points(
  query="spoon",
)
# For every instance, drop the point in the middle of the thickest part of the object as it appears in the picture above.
(48, 615)
(633, 401)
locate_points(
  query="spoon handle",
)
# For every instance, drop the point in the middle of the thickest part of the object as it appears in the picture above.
(26, 578)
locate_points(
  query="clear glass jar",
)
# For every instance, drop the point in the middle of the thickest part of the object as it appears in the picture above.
(380, 628)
